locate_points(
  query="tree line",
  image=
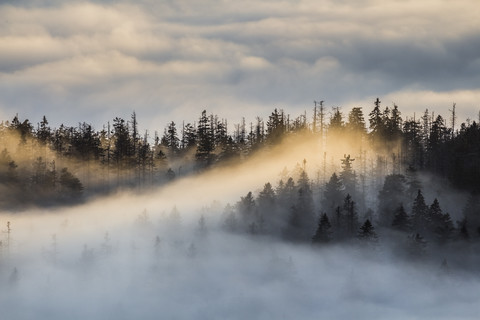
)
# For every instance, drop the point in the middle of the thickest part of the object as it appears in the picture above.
(304, 211)
(119, 155)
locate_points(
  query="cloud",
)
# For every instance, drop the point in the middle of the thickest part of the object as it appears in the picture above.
(174, 58)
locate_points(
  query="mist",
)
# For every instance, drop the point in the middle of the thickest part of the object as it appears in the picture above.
(149, 256)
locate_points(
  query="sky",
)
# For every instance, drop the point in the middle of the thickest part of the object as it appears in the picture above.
(92, 61)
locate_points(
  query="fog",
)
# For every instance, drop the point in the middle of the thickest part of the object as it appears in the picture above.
(146, 256)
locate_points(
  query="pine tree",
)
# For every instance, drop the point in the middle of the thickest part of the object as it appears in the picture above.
(323, 233)
(267, 207)
(229, 150)
(338, 224)
(394, 125)
(471, 213)
(189, 136)
(413, 145)
(44, 133)
(71, 187)
(123, 146)
(231, 223)
(170, 139)
(247, 209)
(348, 176)
(351, 216)
(401, 220)
(301, 221)
(266, 197)
(276, 126)
(434, 216)
(336, 122)
(356, 122)
(463, 234)
(377, 126)
(367, 232)
(419, 213)
(333, 194)
(390, 198)
(445, 229)
(205, 141)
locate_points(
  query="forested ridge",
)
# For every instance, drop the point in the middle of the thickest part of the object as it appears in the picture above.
(374, 184)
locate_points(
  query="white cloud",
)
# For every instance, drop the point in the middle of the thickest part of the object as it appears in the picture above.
(163, 58)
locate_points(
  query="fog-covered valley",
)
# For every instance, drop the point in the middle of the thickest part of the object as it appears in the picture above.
(291, 159)
(167, 254)
(276, 235)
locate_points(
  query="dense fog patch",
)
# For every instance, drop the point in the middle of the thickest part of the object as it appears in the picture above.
(152, 264)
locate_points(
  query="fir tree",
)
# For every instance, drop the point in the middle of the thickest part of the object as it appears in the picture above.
(348, 176)
(351, 216)
(205, 141)
(420, 213)
(323, 233)
(70, 185)
(276, 126)
(170, 138)
(377, 126)
(367, 232)
(445, 229)
(333, 195)
(401, 220)
(336, 122)
(390, 198)
(356, 122)
(434, 216)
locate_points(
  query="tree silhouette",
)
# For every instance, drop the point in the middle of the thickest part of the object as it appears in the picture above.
(323, 233)
(367, 232)
(401, 220)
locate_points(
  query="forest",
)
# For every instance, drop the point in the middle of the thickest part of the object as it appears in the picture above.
(376, 178)
(96, 213)
(40, 165)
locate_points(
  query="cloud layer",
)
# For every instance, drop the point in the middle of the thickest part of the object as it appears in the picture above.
(102, 260)
(90, 61)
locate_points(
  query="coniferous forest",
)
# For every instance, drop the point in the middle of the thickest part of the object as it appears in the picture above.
(389, 187)
(167, 160)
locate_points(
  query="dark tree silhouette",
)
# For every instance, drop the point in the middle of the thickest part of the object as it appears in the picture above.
(420, 214)
(205, 141)
(323, 233)
(367, 232)
(70, 185)
(333, 195)
(401, 220)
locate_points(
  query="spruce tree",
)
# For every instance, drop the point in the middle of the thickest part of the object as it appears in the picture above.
(445, 229)
(323, 233)
(434, 216)
(333, 195)
(348, 176)
(377, 126)
(390, 198)
(401, 220)
(267, 207)
(350, 215)
(367, 232)
(205, 141)
(419, 213)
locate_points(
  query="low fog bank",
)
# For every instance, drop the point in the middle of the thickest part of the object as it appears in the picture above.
(132, 259)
